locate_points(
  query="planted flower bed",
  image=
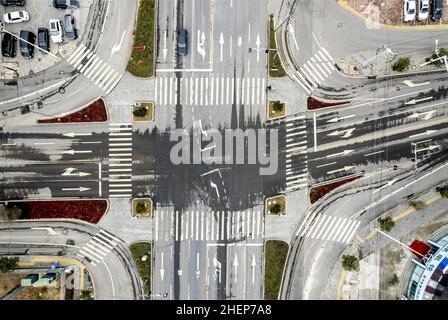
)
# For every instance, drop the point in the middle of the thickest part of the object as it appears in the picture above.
(314, 104)
(94, 112)
(86, 210)
(318, 192)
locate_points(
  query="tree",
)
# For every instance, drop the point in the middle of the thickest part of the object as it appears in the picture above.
(401, 65)
(417, 204)
(141, 207)
(140, 112)
(8, 264)
(386, 224)
(276, 209)
(443, 191)
(8, 213)
(350, 263)
(85, 295)
(277, 106)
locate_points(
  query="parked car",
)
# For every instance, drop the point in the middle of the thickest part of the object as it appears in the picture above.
(19, 3)
(437, 8)
(182, 42)
(423, 10)
(64, 4)
(43, 40)
(16, 16)
(26, 49)
(9, 44)
(409, 10)
(69, 27)
(56, 31)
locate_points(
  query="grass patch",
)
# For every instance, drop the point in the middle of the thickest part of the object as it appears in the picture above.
(39, 293)
(143, 112)
(275, 65)
(139, 250)
(275, 258)
(277, 110)
(141, 62)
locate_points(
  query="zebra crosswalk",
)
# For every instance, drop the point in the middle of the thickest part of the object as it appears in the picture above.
(120, 160)
(334, 229)
(318, 68)
(98, 247)
(296, 153)
(210, 90)
(94, 68)
(211, 225)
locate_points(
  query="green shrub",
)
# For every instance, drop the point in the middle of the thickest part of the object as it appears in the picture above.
(386, 224)
(141, 207)
(350, 263)
(401, 65)
(277, 106)
(417, 204)
(140, 112)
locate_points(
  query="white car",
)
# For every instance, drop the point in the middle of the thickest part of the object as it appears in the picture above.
(409, 10)
(423, 10)
(56, 31)
(16, 16)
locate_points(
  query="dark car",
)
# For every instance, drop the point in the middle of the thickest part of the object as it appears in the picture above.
(43, 40)
(64, 4)
(26, 49)
(437, 8)
(182, 41)
(19, 3)
(9, 43)
(69, 27)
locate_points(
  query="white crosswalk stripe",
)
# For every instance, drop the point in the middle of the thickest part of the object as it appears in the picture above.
(98, 248)
(94, 68)
(120, 160)
(332, 228)
(296, 153)
(212, 226)
(315, 71)
(213, 90)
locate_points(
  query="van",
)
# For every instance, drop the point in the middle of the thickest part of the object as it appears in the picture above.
(437, 8)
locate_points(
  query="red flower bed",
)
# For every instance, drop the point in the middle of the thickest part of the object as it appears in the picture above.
(318, 192)
(85, 210)
(94, 112)
(314, 104)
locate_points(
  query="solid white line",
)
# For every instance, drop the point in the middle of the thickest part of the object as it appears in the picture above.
(222, 89)
(120, 164)
(248, 91)
(196, 91)
(320, 68)
(80, 58)
(238, 224)
(106, 79)
(242, 91)
(157, 225)
(315, 70)
(207, 221)
(197, 226)
(90, 63)
(335, 228)
(206, 91)
(329, 227)
(243, 223)
(258, 91)
(350, 236)
(228, 90)
(305, 81)
(301, 84)
(212, 87)
(171, 91)
(212, 221)
(202, 226)
(201, 92)
(95, 76)
(222, 225)
(77, 51)
(177, 226)
(373, 153)
(314, 228)
(108, 86)
(232, 91)
(228, 225)
(258, 222)
(344, 230)
(327, 54)
(309, 74)
(253, 90)
(263, 90)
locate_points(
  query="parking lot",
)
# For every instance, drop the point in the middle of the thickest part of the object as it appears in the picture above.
(40, 12)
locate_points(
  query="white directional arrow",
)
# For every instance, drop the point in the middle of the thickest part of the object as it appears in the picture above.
(162, 271)
(201, 42)
(80, 189)
(69, 172)
(240, 41)
(258, 43)
(165, 49)
(410, 84)
(72, 134)
(415, 101)
(72, 152)
(430, 148)
(390, 183)
(426, 133)
(253, 265)
(348, 133)
(337, 119)
(235, 266)
(221, 43)
(292, 31)
(427, 115)
(343, 153)
(50, 231)
(346, 168)
(117, 47)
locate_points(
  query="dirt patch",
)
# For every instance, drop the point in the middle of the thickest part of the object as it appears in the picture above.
(86, 210)
(276, 110)
(39, 293)
(318, 192)
(94, 112)
(8, 282)
(144, 205)
(390, 12)
(313, 104)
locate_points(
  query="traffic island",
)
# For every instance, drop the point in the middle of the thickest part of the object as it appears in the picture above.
(95, 111)
(141, 62)
(142, 208)
(276, 110)
(319, 191)
(276, 69)
(142, 255)
(274, 262)
(275, 206)
(314, 104)
(143, 112)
